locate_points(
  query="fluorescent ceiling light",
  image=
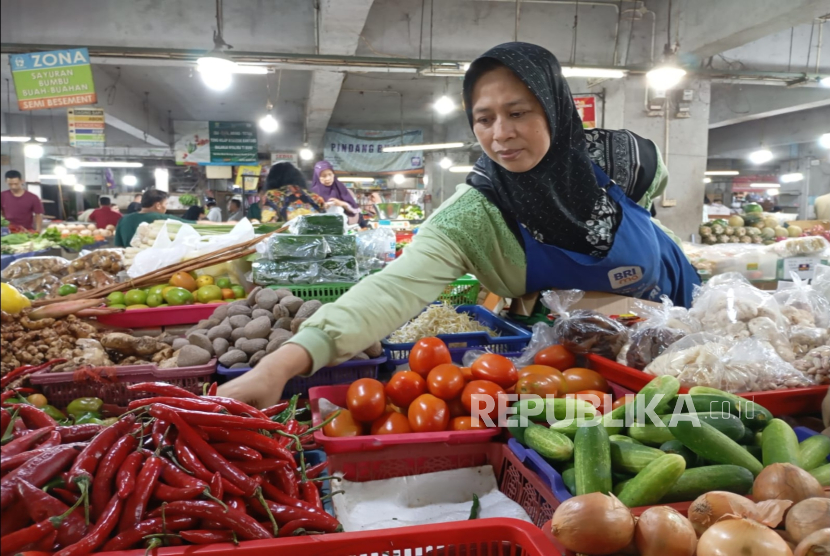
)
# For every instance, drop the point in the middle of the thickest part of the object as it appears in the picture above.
(444, 105)
(461, 169)
(306, 153)
(398, 178)
(72, 163)
(41, 139)
(465, 66)
(792, 178)
(445, 163)
(69, 179)
(824, 140)
(79, 187)
(251, 70)
(426, 180)
(32, 150)
(772, 192)
(764, 185)
(129, 180)
(60, 170)
(108, 164)
(760, 156)
(355, 179)
(424, 147)
(665, 77)
(707, 180)
(721, 173)
(14, 139)
(825, 81)
(49, 177)
(602, 73)
(268, 124)
(162, 176)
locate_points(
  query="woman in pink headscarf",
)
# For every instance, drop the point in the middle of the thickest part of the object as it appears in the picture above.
(326, 185)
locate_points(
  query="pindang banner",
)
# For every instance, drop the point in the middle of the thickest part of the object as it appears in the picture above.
(53, 79)
(361, 150)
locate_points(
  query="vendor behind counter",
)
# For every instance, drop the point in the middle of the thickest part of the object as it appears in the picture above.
(153, 207)
(538, 211)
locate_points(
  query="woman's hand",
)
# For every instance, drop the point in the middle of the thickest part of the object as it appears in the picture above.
(262, 386)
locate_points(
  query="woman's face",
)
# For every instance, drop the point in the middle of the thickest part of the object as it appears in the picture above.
(327, 178)
(508, 121)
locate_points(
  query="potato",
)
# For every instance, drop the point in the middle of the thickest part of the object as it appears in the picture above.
(256, 313)
(237, 309)
(236, 334)
(282, 292)
(266, 299)
(295, 324)
(221, 312)
(308, 308)
(238, 321)
(283, 323)
(191, 355)
(239, 366)
(292, 303)
(251, 299)
(280, 311)
(179, 343)
(221, 331)
(375, 350)
(232, 357)
(255, 358)
(251, 346)
(258, 328)
(202, 341)
(220, 346)
(275, 344)
(279, 333)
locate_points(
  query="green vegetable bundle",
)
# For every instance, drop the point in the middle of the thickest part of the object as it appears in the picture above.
(321, 224)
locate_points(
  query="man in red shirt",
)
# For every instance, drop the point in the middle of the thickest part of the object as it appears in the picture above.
(104, 216)
(19, 206)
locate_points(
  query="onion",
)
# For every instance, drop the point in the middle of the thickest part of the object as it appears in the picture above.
(741, 537)
(110, 227)
(785, 481)
(710, 507)
(594, 524)
(663, 531)
(816, 544)
(91, 227)
(808, 516)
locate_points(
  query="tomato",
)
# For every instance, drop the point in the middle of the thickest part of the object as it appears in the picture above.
(457, 408)
(428, 414)
(404, 387)
(618, 402)
(391, 423)
(427, 354)
(343, 425)
(541, 385)
(466, 424)
(366, 399)
(468, 373)
(544, 370)
(577, 380)
(495, 368)
(555, 356)
(445, 382)
(583, 395)
(483, 388)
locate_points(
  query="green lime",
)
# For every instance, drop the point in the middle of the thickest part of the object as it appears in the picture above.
(238, 291)
(223, 282)
(158, 290)
(178, 296)
(115, 298)
(154, 300)
(67, 289)
(135, 297)
(208, 293)
(137, 306)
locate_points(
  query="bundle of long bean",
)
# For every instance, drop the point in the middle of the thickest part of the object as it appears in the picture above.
(237, 251)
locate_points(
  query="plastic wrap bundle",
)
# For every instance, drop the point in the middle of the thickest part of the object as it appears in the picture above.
(287, 247)
(800, 247)
(375, 249)
(39, 283)
(319, 224)
(86, 280)
(802, 304)
(342, 246)
(266, 272)
(583, 331)
(663, 327)
(57, 266)
(108, 260)
(816, 364)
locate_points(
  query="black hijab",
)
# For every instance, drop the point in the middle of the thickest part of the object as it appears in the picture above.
(559, 200)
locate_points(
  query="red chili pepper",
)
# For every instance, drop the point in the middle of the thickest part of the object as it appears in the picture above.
(190, 461)
(237, 503)
(8, 464)
(252, 439)
(154, 526)
(67, 497)
(24, 443)
(40, 506)
(273, 493)
(38, 471)
(212, 389)
(177, 478)
(285, 514)
(236, 407)
(193, 404)
(5, 420)
(47, 543)
(202, 418)
(99, 533)
(310, 494)
(314, 471)
(6, 395)
(165, 493)
(14, 519)
(291, 527)
(104, 478)
(207, 536)
(237, 451)
(19, 428)
(261, 466)
(276, 409)
(87, 461)
(33, 417)
(79, 433)
(210, 457)
(27, 370)
(136, 504)
(159, 428)
(239, 522)
(161, 389)
(125, 478)
(27, 538)
(216, 487)
(287, 481)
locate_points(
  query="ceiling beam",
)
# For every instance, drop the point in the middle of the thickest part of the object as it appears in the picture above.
(800, 127)
(733, 104)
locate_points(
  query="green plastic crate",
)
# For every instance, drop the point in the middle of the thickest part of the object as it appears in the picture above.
(463, 291)
(321, 292)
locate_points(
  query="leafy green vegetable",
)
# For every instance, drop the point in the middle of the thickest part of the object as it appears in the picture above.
(52, 234)
(75, 242)
(15, 239)
(188, 200)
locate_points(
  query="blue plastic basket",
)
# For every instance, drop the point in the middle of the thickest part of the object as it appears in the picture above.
(803, 433)
(6, 260)
(511, 338)
(344, 373)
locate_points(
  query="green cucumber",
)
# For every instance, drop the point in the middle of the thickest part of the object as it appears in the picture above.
(592, 460)
(569, 427)
(623, 414)
(711, 444)
(822, 474)
(650, 434)
(632, 458)
(518, 433)
(710, 403)
(700, 480)
(655, 435)
(620, 477)
(752, 414)
(618, 488)
(623, 438)
(756, 451)
(569, 478)
(813, 451)
(674, 446)
(564, 466)
(549, 444)
(550, 410)
(749, 436)
(759, 439)
(780, 444)
(665, 386)
(654, 482)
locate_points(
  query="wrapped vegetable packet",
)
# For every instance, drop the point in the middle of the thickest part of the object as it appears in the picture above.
(342, 246)
(285, 247)
(321, 224)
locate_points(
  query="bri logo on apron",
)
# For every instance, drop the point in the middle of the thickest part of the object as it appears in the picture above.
(624, 276)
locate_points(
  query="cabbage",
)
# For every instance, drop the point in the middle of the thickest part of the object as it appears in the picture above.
(753, 207)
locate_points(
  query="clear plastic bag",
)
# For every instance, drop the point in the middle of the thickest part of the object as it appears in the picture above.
(821, 281)
(816, 364)
(265, 272)
(288, 247)
(319, 224)
(583, 331)
(543, 336)
(807, 338)
(801, 304)
(35, 265)
(375, 249)
(36, 283)
(86, 280)
(108, 260)
(694, 360)
(754, 366)
(800, 246)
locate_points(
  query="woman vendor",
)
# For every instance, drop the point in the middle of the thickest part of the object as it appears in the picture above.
(286, 195)
(539, 211)
(326, 185)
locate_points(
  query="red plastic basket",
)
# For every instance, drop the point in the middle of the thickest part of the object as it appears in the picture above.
(792, 401)
(482, 537)
(160, 316)
(337, 396)
(110, 384)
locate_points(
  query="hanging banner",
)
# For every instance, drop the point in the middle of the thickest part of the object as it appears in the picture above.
(357, 150)
(247, 178)
(86, 127)
(215, 143)
(53, 79)
(284, 157)
(587, 108)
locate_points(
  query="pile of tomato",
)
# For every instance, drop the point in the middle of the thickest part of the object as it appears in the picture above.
(436, 395)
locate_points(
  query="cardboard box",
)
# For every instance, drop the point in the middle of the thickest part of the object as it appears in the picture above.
(807, 224)
(605, 303)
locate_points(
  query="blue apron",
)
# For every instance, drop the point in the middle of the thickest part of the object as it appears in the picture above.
(643, 262)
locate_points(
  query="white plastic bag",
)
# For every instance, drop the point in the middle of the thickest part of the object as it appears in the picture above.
(663, 327)
(543, 337)
(802, 304)
(694, 360)
(165, 252)
(583, 331)
(821, 281)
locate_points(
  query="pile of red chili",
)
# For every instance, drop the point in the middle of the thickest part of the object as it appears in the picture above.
(176, 469)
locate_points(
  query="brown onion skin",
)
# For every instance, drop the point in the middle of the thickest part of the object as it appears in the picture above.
(785, 481)
(593, 524)
(710, 507)
(807, 517)
(741, 537)
(663, 531)
(815, 544)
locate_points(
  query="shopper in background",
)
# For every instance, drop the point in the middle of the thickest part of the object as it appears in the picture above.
(235, 210)
(286, 193)
(135, 206)
(536, 213)
(105, 216)
(195, 213)
(822, 206)
(326, 185)
(214, 212)
(153, 207)
(255, 209)
(20, 207)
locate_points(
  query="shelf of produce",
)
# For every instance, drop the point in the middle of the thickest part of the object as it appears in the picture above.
(337, 396)
(160, 316)
(792, 401)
